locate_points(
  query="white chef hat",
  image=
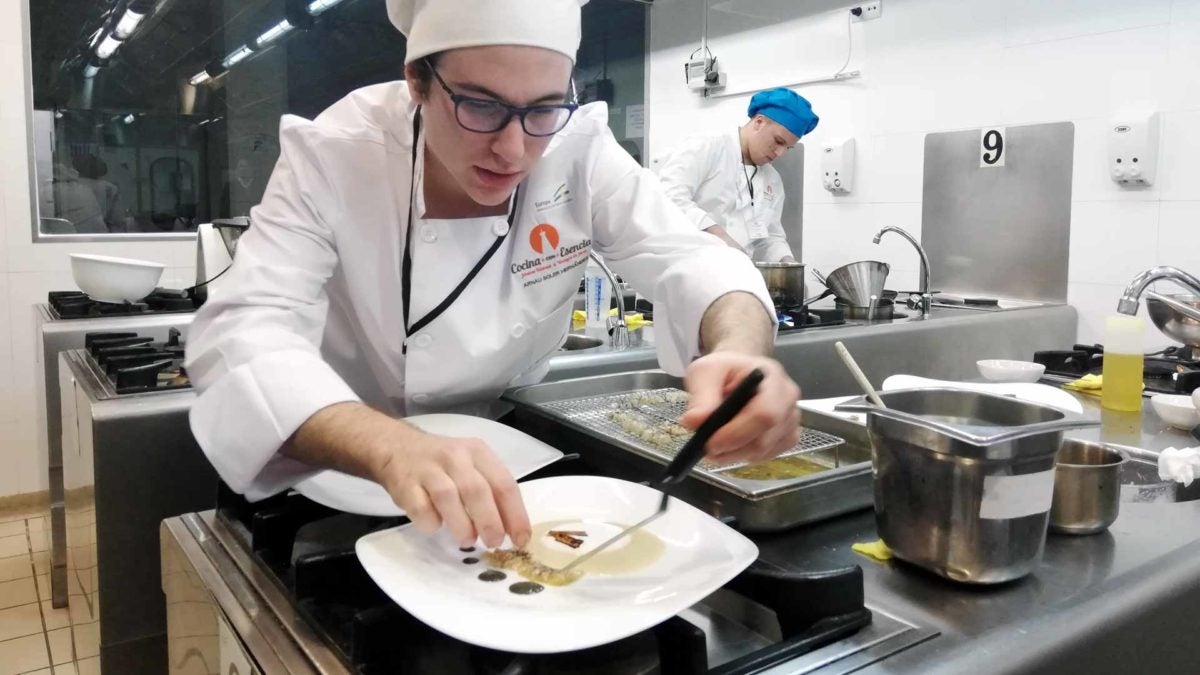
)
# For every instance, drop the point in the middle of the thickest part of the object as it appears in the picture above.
(433, 26)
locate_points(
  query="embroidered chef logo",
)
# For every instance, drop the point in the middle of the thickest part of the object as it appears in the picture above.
(560, 197)
(544, 238)
(553, 256)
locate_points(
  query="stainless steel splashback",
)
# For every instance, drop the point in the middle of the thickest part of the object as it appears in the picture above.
(1000, 231)
(791, 170)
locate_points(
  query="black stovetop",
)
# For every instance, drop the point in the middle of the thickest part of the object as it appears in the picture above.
(135, 364)
(1174, 370)
(309, 550)
(78, 305)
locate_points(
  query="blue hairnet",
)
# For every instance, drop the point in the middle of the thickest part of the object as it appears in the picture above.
(786, 107)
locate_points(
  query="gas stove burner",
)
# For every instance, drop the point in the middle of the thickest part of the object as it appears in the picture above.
(798, 318)
(78, 305)
(134, 364)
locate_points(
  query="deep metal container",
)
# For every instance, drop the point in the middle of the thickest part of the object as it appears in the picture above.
(1087, 488)
(964, 480)
(785, 282)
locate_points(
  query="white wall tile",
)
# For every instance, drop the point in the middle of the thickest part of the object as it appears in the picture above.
(12, 452)
(1179, 236)
(1182, 56)
(1029, 21)
(7, 394)
(1084, 77)
(1179, 161)
(1112, 241)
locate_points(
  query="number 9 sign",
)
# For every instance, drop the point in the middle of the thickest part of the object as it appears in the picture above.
(991, 148)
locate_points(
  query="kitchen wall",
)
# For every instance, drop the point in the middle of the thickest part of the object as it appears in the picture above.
(938, 65)
(28, 271)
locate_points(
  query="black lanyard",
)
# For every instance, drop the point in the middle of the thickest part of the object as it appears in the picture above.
(406, 271)
(750, 182)
(749, 177)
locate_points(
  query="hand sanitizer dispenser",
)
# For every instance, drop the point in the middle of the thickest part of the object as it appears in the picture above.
(837, 166)
(1133, 150)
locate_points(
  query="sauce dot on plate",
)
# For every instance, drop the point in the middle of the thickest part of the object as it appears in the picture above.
(526, 588)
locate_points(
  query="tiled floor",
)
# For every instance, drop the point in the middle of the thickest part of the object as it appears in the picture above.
(34, 637)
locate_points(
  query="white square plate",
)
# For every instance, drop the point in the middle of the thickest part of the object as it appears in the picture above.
(521, 453)
(426, 575)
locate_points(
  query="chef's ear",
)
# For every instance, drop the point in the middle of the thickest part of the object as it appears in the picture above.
(417, 75)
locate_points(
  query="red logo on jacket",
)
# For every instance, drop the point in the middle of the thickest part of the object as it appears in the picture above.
(544, 238)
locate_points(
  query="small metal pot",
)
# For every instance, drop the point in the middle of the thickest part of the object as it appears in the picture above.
(1087, 488)
(785, 282)
(884, 310)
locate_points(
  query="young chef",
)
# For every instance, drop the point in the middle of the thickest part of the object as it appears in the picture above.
(418, 249)
(726, 184)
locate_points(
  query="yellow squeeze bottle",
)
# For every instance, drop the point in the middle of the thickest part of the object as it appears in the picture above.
(1123, 363)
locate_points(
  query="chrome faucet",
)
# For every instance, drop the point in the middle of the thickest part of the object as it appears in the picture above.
(926, 299)
(1133, 292)
(616, 325)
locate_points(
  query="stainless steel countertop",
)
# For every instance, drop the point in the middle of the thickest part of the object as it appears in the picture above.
(1122, 601)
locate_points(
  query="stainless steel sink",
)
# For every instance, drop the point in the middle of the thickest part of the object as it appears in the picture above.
(576, 343)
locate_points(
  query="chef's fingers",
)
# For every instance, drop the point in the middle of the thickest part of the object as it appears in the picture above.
(507, 497)
(707, 383)
(419, 508)
(443, 491)
(774, 405)
(771, 442)
(476, 494)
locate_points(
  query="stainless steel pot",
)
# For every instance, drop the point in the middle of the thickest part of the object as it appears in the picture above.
(964, 480)
(883, 310)
(785, 282)
(1087, 488)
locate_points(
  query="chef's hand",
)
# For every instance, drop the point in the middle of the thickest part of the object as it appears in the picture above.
(767, 426)
(459, 483)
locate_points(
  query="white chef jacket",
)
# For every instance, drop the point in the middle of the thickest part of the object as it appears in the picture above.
(705, 176)
(310, 314)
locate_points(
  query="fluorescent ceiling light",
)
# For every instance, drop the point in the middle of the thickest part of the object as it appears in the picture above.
(274, 33)
(108, 47)
(237, 56)
(199, 78)
(317, 6)
(128, 23)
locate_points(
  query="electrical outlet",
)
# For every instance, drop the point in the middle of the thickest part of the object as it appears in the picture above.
(867, 11)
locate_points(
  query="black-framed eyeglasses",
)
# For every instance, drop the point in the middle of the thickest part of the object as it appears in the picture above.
(486, 116)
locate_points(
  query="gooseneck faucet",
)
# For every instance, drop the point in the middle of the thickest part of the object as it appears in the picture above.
(616, 325)
(926, 299)
(1136, 288)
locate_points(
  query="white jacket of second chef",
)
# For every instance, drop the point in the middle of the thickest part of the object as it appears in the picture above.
(705, 176)
(310, 314)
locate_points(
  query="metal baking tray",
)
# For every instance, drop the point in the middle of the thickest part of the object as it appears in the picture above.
(577, 415)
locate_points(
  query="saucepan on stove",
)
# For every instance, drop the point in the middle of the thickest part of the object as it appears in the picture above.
(785, 283)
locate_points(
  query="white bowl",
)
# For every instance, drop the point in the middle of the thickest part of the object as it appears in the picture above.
(1004, 370)
(110, 279)
(1196, 399)
(1178, 411)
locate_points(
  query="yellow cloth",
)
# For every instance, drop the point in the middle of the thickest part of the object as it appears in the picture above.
(875, 549)
(633, 320)
(1091, 385)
